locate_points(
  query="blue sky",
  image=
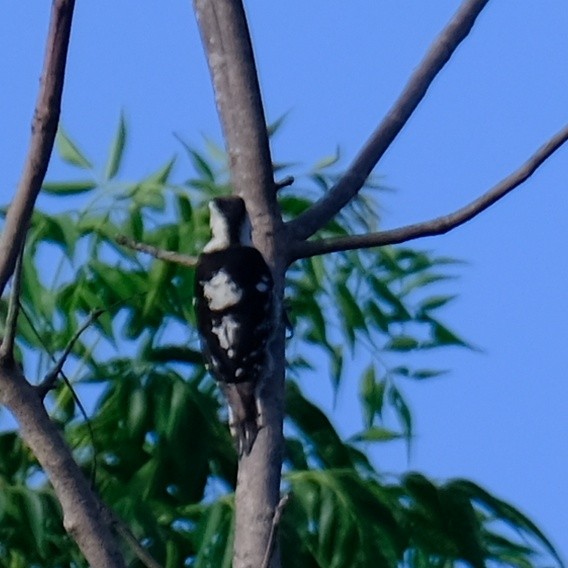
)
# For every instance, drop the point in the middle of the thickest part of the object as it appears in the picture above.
(500, 416)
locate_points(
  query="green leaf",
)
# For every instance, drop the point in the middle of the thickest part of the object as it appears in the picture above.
(136, 222)
(377, 434)
(402, 410)
(372, 394)
(352, 316)
(213, 536)
(418, 374)
(116, 150)
(69, 152)
(185, 208)
(400, 313)
(34, 515)
(328, 161)
(162, 175)
(175, 353)
(149, 194)
(444, 336)
(68, 187)
(321, 181)
(435, 302)
(505, 512)
(315, 426)
(275, 126)
(402, 343)
(201, 166)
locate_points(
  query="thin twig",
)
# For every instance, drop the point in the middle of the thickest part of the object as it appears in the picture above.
(124, 531)
(353, 179)
(7, 345)
(74, 394)
(273, 529)
(167, 255)
(49, 381)
(111, 518)
(439, 225)
(44, 127)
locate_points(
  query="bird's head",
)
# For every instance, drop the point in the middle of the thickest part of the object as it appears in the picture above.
(229, 222)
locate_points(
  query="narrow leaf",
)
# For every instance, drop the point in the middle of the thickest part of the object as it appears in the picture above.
(116, 150)
(69, 152)
(327, 161)
(402, 343)
(68, 187)
(377, 434)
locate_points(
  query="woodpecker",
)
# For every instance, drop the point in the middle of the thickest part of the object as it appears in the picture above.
(233, 306)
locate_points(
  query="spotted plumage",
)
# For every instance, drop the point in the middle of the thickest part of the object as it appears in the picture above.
(234, 312)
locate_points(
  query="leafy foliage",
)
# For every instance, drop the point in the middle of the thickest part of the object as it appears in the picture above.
(164, 458)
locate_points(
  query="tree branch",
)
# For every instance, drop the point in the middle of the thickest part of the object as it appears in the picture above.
(439, 225)
(167, 255)
(81, 514)
(44, 128)
(7, 344)
(351, 182)
(285, 182)
(227, 44)
(49, 381)
(82, 518)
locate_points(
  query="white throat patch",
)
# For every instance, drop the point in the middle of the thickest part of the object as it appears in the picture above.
(221, 236)
(219, 230)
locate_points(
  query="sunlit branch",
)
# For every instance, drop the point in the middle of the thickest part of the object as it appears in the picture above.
(167, 255)
(351, 182)
(44, 128)
(439, 225)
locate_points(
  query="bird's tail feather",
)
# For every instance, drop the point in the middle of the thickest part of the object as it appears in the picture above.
(243, 414)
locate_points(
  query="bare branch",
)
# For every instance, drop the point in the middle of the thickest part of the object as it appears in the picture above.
(82, 519)
(7, 345)
(351, 182)
(167, 255)
(285, 182)
(227, 44)
(81, 516)
(44, 127)
(439, 225)
(226, 40)
(49, 381)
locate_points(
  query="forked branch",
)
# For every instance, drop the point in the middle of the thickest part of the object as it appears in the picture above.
(352, 181)
(81, 517)
(439, 225)
(226, 39)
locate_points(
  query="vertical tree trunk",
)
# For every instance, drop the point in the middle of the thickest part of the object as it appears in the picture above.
(227, 44)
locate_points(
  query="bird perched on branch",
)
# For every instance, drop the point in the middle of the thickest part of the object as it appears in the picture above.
(234, 309)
